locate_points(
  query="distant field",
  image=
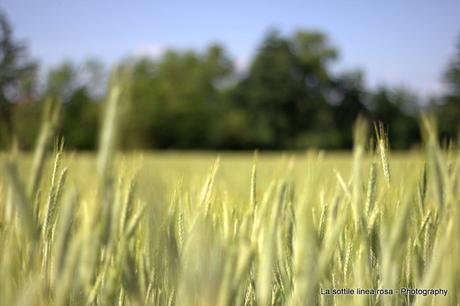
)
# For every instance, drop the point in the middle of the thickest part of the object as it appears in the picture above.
(159, 172)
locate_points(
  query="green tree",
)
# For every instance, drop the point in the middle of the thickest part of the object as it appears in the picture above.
(347, 98)
(448, 110)
(79, 120)
(452, 74)
(15, 68)
(175, 98)
(95, 77)
(80, 88)
(62, 81)
(285, 88)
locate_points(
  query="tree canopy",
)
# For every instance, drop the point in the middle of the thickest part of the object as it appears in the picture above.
(289, 97)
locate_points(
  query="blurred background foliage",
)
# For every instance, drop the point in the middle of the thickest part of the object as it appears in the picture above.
(290, 97)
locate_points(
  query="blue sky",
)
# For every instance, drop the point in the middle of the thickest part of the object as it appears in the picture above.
(395, 42)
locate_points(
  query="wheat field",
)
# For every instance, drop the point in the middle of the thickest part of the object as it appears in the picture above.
(176, 228)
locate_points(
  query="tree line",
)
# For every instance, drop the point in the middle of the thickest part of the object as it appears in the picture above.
(289, 97)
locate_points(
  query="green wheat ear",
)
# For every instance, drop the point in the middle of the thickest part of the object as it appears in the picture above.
(435, 159)
(50, 121)
(57, 184)
(205, 199)
(383, 145)
(371, 188)
(360, 140)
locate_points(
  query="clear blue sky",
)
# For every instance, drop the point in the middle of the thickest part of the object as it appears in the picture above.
(395, 42)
